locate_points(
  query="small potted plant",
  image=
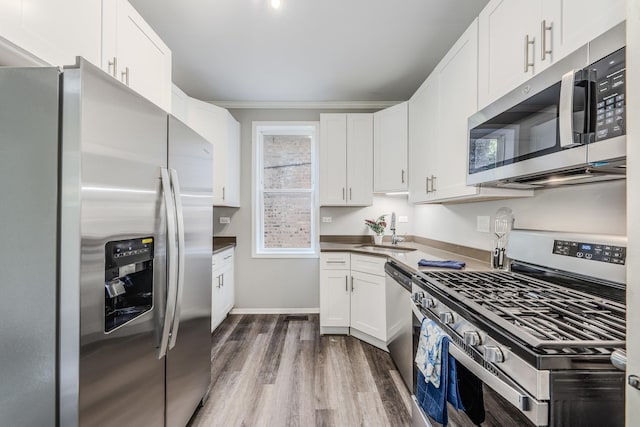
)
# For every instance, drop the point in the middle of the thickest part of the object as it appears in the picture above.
(377, 226)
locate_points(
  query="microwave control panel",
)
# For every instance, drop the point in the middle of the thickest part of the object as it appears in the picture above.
(610, 96)
(591, 251)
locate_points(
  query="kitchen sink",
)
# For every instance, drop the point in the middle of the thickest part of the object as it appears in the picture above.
(387, 248)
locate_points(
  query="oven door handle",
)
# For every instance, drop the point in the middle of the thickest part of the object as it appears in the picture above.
(538, 412)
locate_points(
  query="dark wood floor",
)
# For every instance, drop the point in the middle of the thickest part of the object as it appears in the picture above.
(276, 370)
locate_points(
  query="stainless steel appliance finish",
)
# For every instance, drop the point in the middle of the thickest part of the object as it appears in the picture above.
(188, 361)
(114, 187)
(400, 328)
(29, 212)
(542, 337)
(563, 126)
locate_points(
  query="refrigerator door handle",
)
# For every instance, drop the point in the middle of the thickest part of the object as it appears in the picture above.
(171, 263)
(175, 185)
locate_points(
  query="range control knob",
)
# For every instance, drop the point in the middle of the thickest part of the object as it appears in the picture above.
(418, 297)
(446, 317)
(428, 302)
(472, 338)
(493, 354)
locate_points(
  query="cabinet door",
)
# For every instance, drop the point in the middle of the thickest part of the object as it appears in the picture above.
(217, 299)
(368, 310)
(228, 290)
(53, 31)
(232, 189)
(390, 128)
(503, 27)
(179, 103)
(576, 22)
(142, 60)
(360, 159)
(458, 84)
(423, 134)
(333, 159)
(335, 297)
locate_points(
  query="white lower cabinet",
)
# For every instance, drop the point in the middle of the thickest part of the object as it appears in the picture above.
(222, 292)
(352, 296)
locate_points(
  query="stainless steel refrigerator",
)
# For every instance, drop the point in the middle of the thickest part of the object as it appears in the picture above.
(105, 249)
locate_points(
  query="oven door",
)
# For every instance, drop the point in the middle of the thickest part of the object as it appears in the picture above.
(536, 411)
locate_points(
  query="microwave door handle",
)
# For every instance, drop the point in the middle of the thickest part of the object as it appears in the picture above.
(565, 116)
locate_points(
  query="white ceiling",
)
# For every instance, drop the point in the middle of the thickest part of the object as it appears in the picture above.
(308, 50)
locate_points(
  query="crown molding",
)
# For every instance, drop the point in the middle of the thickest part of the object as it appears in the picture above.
(313, 105)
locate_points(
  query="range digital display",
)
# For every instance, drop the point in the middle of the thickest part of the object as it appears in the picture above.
(591, 251)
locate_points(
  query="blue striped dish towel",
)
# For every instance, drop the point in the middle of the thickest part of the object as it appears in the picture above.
(457, 265)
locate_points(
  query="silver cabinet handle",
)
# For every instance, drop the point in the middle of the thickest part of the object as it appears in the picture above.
(433, 183)
(402, 178)
(172, 273)
(228, 256)
(543, 30)
(350, 193)
(224, 194)
(346, 283)
(342, 193)
(114, 64)
(426, 185)
(352, 287)
(335, 262)
(527, 42)
(124, 76)
(175, 186)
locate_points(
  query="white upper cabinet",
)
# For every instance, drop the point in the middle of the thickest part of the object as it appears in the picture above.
(438, 129)
(390, 140)
(346, 159)
(55, 32)
(518, 39)
(423, 134)
(134, 54)
(220, 128)
(576, 22)
(179, 103)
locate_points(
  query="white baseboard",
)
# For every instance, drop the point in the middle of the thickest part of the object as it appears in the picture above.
(314, 310)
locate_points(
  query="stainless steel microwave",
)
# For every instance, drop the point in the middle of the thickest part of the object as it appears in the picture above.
(565, 125)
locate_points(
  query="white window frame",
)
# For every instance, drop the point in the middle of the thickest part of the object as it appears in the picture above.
(260, 129)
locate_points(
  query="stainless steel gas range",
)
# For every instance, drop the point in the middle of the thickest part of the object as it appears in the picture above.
(540, 335)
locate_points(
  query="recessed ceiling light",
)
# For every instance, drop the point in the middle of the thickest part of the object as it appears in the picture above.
(275, 4)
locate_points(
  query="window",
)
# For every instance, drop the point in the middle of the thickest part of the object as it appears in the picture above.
(285, 197)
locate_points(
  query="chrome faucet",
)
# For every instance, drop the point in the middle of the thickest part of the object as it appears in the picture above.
(394, 238)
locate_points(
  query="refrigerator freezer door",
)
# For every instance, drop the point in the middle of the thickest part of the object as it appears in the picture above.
(189, 361)
(113, 147)
(29, 212)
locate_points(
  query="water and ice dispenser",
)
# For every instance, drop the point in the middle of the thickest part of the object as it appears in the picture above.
(128, 280)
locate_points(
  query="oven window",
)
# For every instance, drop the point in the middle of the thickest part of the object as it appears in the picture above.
(527, 130)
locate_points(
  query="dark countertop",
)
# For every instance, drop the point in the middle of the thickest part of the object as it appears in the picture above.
(223, 243)
(409, 259)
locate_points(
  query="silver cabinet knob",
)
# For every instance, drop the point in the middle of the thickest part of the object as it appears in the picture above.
(446, 317)
(472, 338)
(493, 354)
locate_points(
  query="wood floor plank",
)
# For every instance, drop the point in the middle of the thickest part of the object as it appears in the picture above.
(274, 370)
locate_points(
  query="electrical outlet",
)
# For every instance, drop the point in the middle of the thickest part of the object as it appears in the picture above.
(403, 218)
(482, 224)
(225, 220)
(327, 219)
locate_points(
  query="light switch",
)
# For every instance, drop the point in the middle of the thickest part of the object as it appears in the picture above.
(326, 219)
(482, 224)
(225, 220)
(403, 218)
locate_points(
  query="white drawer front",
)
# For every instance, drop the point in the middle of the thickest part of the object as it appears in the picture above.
(335, 261)
(222, 258)
(368, 264)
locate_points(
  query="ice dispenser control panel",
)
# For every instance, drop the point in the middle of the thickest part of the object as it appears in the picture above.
(591, 251)
(128, 280)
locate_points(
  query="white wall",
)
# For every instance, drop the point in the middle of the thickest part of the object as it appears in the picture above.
(269, 282)
(594, 208)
